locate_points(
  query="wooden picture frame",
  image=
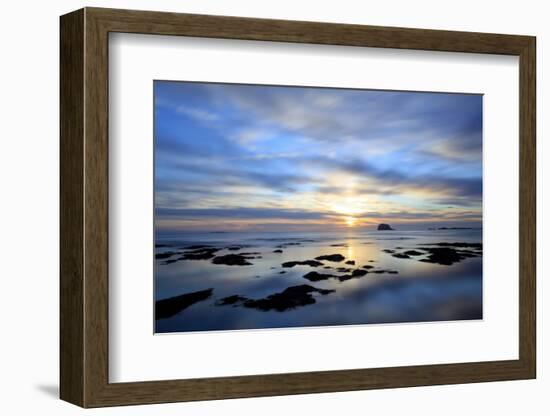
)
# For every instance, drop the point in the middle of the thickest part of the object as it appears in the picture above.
(84, 207)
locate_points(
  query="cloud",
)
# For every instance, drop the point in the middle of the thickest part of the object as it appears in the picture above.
(224, 173)
(329, 114)
(398, 182)
(430, 215)
(239, 213)
(276, 153)
(197, 113)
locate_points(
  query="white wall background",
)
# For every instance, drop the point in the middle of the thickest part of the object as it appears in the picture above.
(29, 211)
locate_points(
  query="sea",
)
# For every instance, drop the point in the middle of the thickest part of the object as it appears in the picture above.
(207, 295)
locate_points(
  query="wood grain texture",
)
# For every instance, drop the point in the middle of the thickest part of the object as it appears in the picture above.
(527, 207)
(71, 208)
(226, 27)
(96, 208)
(84, 207)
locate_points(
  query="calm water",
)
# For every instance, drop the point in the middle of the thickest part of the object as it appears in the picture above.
(420, 291)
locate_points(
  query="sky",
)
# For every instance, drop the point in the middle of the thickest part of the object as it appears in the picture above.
(235, 157)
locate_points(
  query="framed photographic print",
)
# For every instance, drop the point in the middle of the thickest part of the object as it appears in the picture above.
(255, 207)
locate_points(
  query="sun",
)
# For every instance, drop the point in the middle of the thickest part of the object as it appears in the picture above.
(350, 221)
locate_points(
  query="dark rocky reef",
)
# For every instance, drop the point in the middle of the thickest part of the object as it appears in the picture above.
(413, 253)
(311, 263)
(166, 254)
(232, 260)
(478, 246)
(166, 308)
(351, 262)
(199, 253)
(285, 245)
(354, 274)
(367, 266)
(316, 276)
(290, 298)
(331, 257)
(455, 228)
(206, 252)
(278, 251)
(198, 247)
(384, 227)
(446, 256)
(230, 300)
(444, 253)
